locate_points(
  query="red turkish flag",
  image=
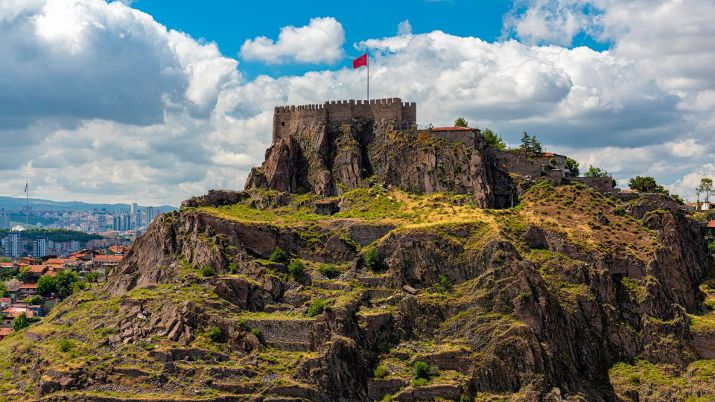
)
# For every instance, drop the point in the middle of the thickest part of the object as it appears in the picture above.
(360, 61)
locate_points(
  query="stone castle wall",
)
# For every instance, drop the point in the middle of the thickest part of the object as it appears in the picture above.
(287, 120)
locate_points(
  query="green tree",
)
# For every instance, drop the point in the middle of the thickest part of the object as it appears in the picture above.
(46, 285)
(5, 259)
(36, 300)
(20, 322)
(65, 280)
(594, 171)
(91, 277)
(493, 139)
(3, 290)
(24, 274)
(278, 255)
(645, 184)
(530, 145)
(460, 122)
(572, 166)
(706, 187)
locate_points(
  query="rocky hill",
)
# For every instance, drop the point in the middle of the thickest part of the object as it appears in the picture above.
(325, 282)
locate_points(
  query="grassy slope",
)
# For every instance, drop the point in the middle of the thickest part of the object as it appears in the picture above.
(573, 211)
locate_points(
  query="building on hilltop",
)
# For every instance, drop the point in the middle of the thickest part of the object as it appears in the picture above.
(468, 135)
(287, 120)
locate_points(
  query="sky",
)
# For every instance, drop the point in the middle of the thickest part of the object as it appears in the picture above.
(154, 101)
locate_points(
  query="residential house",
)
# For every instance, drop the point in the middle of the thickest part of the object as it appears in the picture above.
(14, 311)
(5, 302)
(5, 332)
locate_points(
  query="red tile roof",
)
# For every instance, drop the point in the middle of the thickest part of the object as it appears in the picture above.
(28, 286)
(118, 249)
(38, 269)
(108, 258)
(16, 311)
(711, 224)
(5, 332)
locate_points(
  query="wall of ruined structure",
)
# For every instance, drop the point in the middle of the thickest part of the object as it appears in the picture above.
(600, 184)
(517, 163)
(472, 138)
(288, 119)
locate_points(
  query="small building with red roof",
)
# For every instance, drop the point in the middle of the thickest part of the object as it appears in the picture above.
(5, 332)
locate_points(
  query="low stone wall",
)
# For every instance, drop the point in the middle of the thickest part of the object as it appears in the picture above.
(366, 234)
(600, 184)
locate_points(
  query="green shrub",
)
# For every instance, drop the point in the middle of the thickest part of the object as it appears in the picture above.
(329, 271)
(620, 211)
(278, 255)
(36, 300)
(207, 271)
(65, 345)
(372, 259)
(215, 334)
(422, 370)
(317, 307)
(296, 269)
(380, 372)
(232, 268)
(443, 284)
(243, 325)
(420, 382)
(257, 333)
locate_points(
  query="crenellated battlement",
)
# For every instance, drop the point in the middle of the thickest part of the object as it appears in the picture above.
(288, 119)
(319, 106)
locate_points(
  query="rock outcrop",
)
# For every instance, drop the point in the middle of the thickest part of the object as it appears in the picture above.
(330, 160)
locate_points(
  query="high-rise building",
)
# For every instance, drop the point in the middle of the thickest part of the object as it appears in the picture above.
(4, 219)
(134, 215)
(150, 214)
(39, 248)
(13, 245)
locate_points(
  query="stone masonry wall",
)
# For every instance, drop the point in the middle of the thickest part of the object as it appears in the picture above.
(600, 184)
(288, 119)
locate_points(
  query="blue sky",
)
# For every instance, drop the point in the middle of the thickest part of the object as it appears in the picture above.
(229, 23)
(154, 101)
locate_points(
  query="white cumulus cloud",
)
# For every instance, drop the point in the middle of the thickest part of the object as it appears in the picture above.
(320, 41)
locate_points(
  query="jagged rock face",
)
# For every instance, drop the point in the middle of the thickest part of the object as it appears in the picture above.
(510, 302)
(327, 160)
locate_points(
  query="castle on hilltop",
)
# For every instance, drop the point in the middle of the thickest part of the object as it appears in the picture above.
(288, 119)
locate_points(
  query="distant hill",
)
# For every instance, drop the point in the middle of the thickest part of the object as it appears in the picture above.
(14, 204)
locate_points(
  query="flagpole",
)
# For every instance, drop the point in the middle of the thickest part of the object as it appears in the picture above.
(27, 203)
(368, 76)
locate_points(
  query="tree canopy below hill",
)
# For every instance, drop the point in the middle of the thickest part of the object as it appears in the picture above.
(57, 235)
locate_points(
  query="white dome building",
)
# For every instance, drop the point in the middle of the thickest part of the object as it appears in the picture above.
(18, 228)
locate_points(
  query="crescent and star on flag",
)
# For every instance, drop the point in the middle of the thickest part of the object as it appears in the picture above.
(363, 61)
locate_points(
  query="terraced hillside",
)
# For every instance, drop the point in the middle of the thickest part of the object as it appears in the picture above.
(387, 295)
